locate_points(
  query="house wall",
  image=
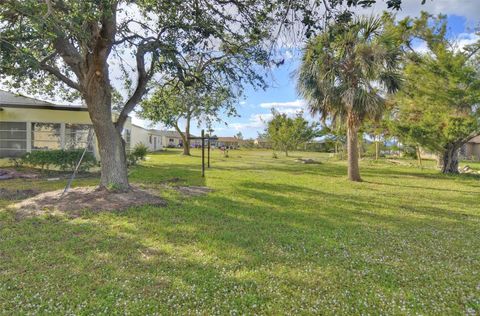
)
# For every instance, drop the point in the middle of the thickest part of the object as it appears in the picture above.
(61, 117)
(472, 151)
(140, 136)
(171, 140)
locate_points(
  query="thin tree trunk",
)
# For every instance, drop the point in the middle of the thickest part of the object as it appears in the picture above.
(114, 175)
(352, 149)
(377, 149)
(419, 157)
(185, 140)
(286, 152)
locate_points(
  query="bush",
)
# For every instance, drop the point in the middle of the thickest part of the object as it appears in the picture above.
(62, 159)
(138, 153)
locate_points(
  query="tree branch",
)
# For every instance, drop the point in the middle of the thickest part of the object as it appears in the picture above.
(142, 81)
(57, 73)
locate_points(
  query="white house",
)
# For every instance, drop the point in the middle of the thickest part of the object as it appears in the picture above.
(28, 124)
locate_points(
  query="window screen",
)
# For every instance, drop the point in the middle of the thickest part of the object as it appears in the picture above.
(45, 136)
(13, 139)
(76, 136)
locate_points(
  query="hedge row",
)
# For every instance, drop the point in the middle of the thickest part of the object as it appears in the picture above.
(61, 159)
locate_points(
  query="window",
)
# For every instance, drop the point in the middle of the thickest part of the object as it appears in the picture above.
(76, 136)
(171, 140)
(13, 139)
(45, 136)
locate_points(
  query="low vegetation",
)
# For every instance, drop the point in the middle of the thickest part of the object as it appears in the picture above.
(272, 237)
(65, 160)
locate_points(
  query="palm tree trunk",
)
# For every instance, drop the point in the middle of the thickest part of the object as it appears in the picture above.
(352, 149)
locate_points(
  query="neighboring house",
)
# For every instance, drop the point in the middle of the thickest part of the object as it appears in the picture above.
(152, 138)
(471, 150)
(172, 139)
(262, 143)
(227, 142)
(27, 124)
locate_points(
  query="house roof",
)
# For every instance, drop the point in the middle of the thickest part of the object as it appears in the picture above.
(12, 100)
(229, 139)
(475, 140)
(159, 132)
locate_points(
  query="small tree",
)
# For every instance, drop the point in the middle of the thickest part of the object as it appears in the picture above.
(288, 133)
(170, 105)
(438, 106)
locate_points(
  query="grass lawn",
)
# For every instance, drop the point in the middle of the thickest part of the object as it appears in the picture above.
(274, 237)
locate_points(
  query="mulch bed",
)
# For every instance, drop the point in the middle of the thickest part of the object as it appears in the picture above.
(6, 194)
(79, 199)
(7, 173)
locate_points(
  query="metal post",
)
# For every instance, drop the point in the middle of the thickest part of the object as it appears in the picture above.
(203, 153)
(208, 160)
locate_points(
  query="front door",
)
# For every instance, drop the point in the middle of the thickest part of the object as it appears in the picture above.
(154, 143)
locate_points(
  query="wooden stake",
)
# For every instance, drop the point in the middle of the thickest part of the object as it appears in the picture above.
(203, 153)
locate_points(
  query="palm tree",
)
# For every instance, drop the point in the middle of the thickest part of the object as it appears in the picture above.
(345, 72)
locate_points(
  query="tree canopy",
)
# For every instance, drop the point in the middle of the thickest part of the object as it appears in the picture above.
(437, 108)
(286, 133)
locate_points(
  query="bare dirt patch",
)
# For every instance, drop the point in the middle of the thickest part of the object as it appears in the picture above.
(308, 161)
(192, 190)
(79, 199)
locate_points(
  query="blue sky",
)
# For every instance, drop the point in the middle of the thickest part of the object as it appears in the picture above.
(463, 16)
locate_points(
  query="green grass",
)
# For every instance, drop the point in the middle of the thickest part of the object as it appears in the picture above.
(274, 237)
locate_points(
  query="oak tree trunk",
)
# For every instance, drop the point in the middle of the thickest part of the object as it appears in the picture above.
(377, 149)
(448, 160)
(352, 148)
(111, 145)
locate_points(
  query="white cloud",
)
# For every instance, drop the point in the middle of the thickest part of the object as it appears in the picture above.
(464, 39)
(470, 9)
(292, 104)
(256, 121)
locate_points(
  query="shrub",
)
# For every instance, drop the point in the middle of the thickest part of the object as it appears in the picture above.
(138, 153)
(62, 159)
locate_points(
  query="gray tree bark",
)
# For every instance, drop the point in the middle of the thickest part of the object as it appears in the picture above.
(448, 160)
(352, 149)
(114, 175)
